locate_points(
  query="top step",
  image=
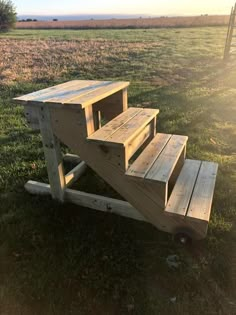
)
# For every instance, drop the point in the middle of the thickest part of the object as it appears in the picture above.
(81, 93)
(125, 127)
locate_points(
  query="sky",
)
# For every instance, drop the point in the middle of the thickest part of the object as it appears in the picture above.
(150, 7)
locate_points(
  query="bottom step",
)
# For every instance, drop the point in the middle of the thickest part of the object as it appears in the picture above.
(192, 195)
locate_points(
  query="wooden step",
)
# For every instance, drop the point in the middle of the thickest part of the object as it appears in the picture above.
(120, 138)
(124, 127)
(78, 92)
(160, 162)
(192, 195)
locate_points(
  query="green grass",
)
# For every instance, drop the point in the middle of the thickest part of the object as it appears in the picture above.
(63, 259)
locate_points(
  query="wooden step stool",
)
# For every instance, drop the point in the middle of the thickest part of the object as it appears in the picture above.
(148, 169)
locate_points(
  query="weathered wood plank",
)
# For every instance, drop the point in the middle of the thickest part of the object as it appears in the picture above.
(47, 92)
(77, 90)
(31, 115)
(92, 201)
(52, 154)
(163, 167)
(201, 201)
(142, 137)
(143, 163)
(133, 127)
(75, 173)
(111, 127)
(181, 195)
(98, 94)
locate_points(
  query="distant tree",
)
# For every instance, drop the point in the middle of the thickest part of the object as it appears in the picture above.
(29, 20)
(7, 15)
(35, 20)
(55, 20)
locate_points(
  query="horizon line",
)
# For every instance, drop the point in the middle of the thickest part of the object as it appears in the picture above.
(121, 14)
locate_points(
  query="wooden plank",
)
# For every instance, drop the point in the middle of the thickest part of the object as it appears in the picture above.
(77, 90)
(200, 205)
(133, 127)
(87, 200)
(163, 167)
(98, 94)
(75, 173)
(47, 91)
(52, 154)
(143, 163)
(112, 126)
(142, 137)
(97, 119)
(181, 195)
(31, 115)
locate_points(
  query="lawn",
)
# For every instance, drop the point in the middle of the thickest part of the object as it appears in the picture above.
(63, 259)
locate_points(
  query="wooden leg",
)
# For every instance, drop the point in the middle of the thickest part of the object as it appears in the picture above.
(97, 119)
(52, 154)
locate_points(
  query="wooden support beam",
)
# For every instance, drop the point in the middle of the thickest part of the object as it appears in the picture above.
(75, 173)
(52, 152)
(92, 201)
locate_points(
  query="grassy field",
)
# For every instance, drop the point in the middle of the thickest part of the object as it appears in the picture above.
(188, 21)
(62, 259)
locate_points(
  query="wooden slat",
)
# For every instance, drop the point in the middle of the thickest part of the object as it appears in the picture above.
(112, 126)
(163, 167)
(200, 205)
(181, 195)
(46, 92)
(98, 94)
(75, 173)
(74, 91)
(142, 137)
(132, 128)
(143, 163)
(87, 200)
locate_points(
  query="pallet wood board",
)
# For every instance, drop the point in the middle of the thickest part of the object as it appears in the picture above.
(163, 167)
(96, 95)
(200, 205)
(76, 89)
(133, 127)
(77, 92)
(142, 164)
(111, 127)
(181, 195)
(46, 92)
(96, 202)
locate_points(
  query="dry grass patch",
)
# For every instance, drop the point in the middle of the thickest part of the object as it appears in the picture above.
(44, 60)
